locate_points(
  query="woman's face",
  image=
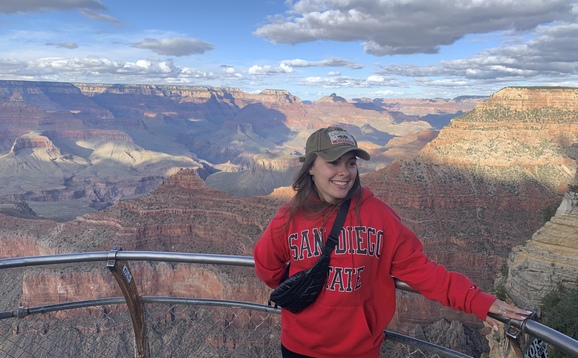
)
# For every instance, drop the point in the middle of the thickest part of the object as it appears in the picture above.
(333, 180)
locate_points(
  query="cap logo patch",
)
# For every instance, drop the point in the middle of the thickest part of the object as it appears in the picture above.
(341, 137)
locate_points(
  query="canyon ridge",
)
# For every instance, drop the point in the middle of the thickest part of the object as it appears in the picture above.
(474, 189)
(82, 147)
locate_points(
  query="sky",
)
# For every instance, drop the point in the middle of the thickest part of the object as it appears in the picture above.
(311, 48)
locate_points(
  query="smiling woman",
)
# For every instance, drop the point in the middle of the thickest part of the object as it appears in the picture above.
(373, 246)
(334, 179)
(334, 168)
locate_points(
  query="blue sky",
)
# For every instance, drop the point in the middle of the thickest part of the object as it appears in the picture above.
(312, 48)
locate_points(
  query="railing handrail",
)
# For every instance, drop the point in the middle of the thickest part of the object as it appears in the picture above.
(24, 261)
(183, 257)
(528, 326)
(393, 336)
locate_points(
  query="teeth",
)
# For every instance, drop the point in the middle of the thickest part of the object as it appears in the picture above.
(341, 183)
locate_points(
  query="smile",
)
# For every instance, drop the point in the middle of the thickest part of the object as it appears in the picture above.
(340, 183)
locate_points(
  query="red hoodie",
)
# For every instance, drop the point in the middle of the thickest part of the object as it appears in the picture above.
(358, 301)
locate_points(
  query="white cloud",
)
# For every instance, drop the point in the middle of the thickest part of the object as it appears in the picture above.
(330, 62)
(533, 40)
(229, 73)
(553, 53)
(376, 79)
(107, 70)
(143, 64)
(269, 70)
(24, 6)
(88, 8)
(193, 73)
(94, 15)
(350, 82)
(409, 26)
(285, 68)
(175, 46)
(228, 70)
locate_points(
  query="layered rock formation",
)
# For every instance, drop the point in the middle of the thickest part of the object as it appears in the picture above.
(479, 188)
(536, 267)
(549, 257)
(97, 143)
(473, 193)
(182, 215)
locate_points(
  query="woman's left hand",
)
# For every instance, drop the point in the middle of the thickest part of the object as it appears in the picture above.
(503, 309)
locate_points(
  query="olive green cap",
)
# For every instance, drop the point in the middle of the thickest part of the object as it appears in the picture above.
(331, 143)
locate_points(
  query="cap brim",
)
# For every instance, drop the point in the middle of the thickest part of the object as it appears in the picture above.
(333, 154)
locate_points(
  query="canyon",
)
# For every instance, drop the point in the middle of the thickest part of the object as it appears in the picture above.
(88, 145)
(474, 190)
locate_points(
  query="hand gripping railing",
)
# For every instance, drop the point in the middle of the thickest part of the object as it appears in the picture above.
(115, 257)
(540, 331)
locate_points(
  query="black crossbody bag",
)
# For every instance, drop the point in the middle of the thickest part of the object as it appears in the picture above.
(300, 290)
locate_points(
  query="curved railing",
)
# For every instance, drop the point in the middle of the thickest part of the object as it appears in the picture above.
(148, 336)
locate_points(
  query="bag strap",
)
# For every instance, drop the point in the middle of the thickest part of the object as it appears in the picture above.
(336, 229)
(333, 235)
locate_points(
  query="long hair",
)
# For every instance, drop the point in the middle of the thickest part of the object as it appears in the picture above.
(307, 198)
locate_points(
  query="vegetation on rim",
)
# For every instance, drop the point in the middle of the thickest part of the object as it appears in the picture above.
(560, 312)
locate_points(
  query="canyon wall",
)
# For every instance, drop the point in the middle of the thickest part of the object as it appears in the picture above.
(480, 188)
(90, 145)
(474, 192)
(182, 215)
(549, 257)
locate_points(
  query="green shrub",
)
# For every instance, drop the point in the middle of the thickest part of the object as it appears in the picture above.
(560, 312)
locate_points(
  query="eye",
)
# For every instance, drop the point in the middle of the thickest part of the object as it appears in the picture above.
(352, 163)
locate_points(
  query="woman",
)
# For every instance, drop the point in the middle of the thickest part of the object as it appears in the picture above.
(358, 301)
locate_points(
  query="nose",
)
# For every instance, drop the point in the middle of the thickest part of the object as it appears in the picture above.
(342, 169)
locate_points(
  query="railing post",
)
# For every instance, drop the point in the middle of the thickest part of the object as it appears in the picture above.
(124, 278)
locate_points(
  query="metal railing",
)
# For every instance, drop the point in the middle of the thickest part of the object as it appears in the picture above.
(157, 326)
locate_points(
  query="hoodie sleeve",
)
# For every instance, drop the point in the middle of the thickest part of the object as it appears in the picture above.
(271, 252)
(433, 281)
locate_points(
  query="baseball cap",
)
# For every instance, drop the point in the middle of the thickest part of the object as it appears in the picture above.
(331, 143)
